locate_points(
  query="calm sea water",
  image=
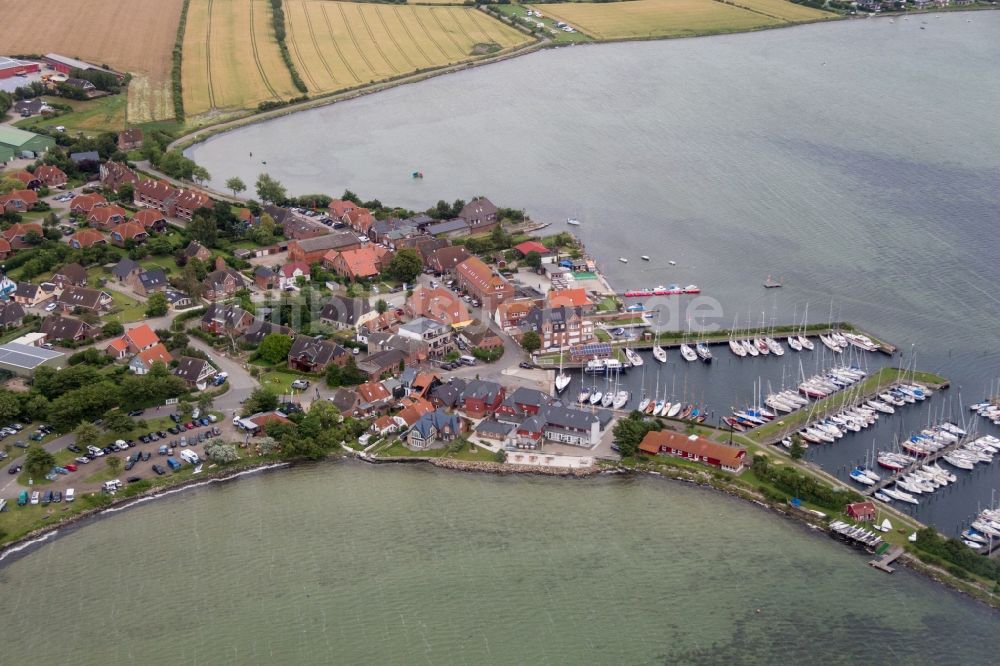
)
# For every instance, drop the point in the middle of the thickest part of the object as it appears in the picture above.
(856, 161)
(353, 564)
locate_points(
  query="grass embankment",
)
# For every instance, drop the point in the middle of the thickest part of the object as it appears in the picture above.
(471, 452)
(873, 384)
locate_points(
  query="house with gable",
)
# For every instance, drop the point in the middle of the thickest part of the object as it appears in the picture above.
(196, 372)
(143, 362)
(434, 427)
(315, 354)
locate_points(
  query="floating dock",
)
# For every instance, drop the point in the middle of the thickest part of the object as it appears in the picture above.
(887, 558)
(917, 464)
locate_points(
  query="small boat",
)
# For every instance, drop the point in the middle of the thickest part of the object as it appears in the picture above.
(645, 257)
(573, 222)
(623, 260)
(806, 343)
(596, 397)
(562, 381)
(417, 174)
(620, 399)
(687, 353)
(750, 347)
(608, 399)
(704, 353)
(643, 405)
(197, 470)
(737, 348)
(672, 262)
(584, 396)
(659, 353)
(659, 407)
(633, 357)
(597, 365)
(674, 409)
(793, 343)
(882, 497)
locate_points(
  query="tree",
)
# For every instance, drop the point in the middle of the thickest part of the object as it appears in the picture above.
(264, 231)
(270, 190)
(381, 306)
(629, 432)
(112, 328)
(118, 422)
(274, 348)
(160, 246)
(533, 259)
(38, 462)
(10, 406)
(157, 305)
(204, 401)
(796, 450)
(114, 464)
(237, 185)
(261, 400)
(531, 342)
(406, 265)
(219, 452)
(203, 228)
(185, 408)
(87, 434)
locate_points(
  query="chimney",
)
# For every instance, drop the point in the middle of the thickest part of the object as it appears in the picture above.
(220, 263)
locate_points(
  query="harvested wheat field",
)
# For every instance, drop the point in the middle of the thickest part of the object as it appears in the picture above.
(674, 18)
(231, 60)
(134, 36)
(337, 45)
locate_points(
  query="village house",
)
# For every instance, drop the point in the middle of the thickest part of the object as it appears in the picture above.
(115, 174)
(570, 298)
(151, 220)
(143, 362)
(728, 458)
(70, 275)
(28, 180)
(30, 107)
(195, 372)
(559, 327)
(51, 176)
(436, 426)
(345, 400)
(58, 327)
(481, 215)
(84, 298)
(358, 263)
(315, 354)
(297, 227)
(382, 364)
(439, 304)
(375, 397)
(150, 281)
(523, 402)
(562, 425)
(260, 329)
(413, 409)
(863, 512)
(289, 274)
(105, 217)
(82, 204)
(196, 250)
(129, 139)
(476, 278)
(445, 259)
(359, 219)
(496, 431)
(83, 85)
(126, 270)
(264, 278)
(20, 235)
(312, 250)
(339, 208)
(170, 201)
(527, 247)
(4, 245)
(18, 201)
(226, 319)
(416, 384)
(343, 313)
(87, 238)
(178, 300)
(481, 397)
(481, 337)
(136, 339)
(29, 295)
(222, 283)
(448, 228)
(11, 314)
(128, 231)
(384, 425)
(372, 322)
(425, 245)
(436, 337)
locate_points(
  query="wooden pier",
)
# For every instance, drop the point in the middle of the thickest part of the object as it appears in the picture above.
(887, 558)
(917, 464)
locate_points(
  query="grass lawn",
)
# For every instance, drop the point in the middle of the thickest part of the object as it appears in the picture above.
(602, 335)
(397, 449)
(608, 304)
(105, 114)
(125, 308)
(280, 381)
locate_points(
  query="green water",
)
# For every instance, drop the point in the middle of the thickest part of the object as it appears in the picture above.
(348, 563)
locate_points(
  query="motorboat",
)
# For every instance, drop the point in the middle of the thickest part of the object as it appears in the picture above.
(645, 257)
(687, 353)
(596, 365)
(659, 353)
(623, 260)
(573, 222)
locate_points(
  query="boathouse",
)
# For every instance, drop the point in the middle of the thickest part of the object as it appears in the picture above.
(728, 458)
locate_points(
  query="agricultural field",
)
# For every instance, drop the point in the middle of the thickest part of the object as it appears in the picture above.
(675, 18)
(134, 36)
(338, 45)
(231, 59)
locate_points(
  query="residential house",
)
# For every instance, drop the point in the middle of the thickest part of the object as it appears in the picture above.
(178, 300)
(51, 176)
(87, 238)
(19, 235)
(11, 314)
(343, 313)
(30, 107)
(28, 180)
(863, 512)
(289, 274)
(391, 230)
(358, 263)
(571, 298)
(143, 362)
(312, 250)
(444, 260)
(126, 270)
(346, 400)
(339, 208)
(372, 322)
(136, 339)
(448, 228)
(438, 304)
(196, 250)
(315, 354)
(129, 139)
(437, 337)
(375, 397)
(481, 337)
(384, 425)
(151, 220)
(260, 329)
(413, 409)
(559, 327)
(481, 215)
(58, 327)
(226, 319)
(105, 217)
(5, 249)
(84, 298)
(563, 425)
(82, 85)
(71, 274)
(482, 283)
(30, 295)
(116, 174)
(18, 201)
(437, 426)
(481, 397)
(359, 219)
(222, 283)
(82, 204)
(195, 372)
(527, 247)
(383, 363)
(186, 202)
(264, 278)
(510, 314)
(523, 402)
(728, 458)
(256, 423)
(297, 227)
(497, 431)
(170, 201)
(150, 281)
(128, 231)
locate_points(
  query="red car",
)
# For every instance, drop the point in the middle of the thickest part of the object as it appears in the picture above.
(71, 468)
(189, 425)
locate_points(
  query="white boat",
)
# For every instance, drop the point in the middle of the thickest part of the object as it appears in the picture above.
(672, 262)
(573, 222)
(806, 342)
(674, 409)
(596, 397)
(774, 346)
(687, 353)
(704, 353)
(197, 469)
(737, 348)
(562, 381)
(596, 365)
(658, 410)
(608, 399)
(794, 344)
(830, 344)
(645, 257)
(623, 260)
(659, 353)
(584, 396)
(750, 347)
(643, 405)
(633, 357)
(620, 399)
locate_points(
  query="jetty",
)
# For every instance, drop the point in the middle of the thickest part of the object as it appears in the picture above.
(917, 464)
(886, 558)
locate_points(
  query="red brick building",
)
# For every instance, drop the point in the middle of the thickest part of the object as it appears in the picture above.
(489, 288)
(729, 458)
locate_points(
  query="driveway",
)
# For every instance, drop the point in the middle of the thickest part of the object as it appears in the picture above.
(241, 384)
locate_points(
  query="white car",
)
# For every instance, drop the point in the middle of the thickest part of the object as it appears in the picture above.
(50, 307)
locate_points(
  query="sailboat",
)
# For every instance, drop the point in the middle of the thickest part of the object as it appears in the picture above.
(633, 357)
(562, 379)
(687, 353)
(704, 353)
(584, 396)
(750, 347)
(735, 345)
(659, 353)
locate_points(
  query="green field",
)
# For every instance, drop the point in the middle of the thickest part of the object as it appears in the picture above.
(104, 114)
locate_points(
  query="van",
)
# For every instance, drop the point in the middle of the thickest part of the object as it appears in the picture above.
(112, 486)
(467, 360)
(22, 498)
(173, 464)
(189, 456)
(70, 494)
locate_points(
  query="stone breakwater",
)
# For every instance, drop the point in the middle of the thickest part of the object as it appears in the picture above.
(506, 468)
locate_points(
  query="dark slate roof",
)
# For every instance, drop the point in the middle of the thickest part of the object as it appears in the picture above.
(88, 156)
(382, 361)
(58, 327)
(153, 279)
(487, 427)
(261, 329)
(10, 313)
(344, 310)
(192, 249)
(345, 399)
(317, 350)
(449, 394)
(263, 271)
(448, 226)
(407, 376)
(228, 314)
(190, 368)
(439, 420)
(481, 389)
(26, 290)
(529, 396)
(123, 268)
(576, 419)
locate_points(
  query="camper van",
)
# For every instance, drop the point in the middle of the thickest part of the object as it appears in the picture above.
(70, 494)
(112, 486)
(189, 456)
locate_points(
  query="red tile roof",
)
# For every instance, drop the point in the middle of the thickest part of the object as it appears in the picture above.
(23, 176)
(127, 230)
(147, 217)
(142, 336)
(102, 214)
(571, 298)
(88, 237)
(728, 456)
(86, 202)
(50, 175)
(531, 246)
(373, 391)
(156, 353)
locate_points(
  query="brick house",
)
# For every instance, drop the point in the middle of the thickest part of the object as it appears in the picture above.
(84, 298)
(439, 304)
(51, 176)
(222, 283)
(195, 372)
(11, 314)
(105, 217)
(264, 278)
(143, 362)
(359, 219)
(87, 238)
(128, 231)
(30, 295)
(521, 403)
(70, 275)
(728, 458)
(436, 337)
(150, 281)
(17, 234)
(863, 512)
(479, 280)
(28, 180)
(196, 250)
(343, 313)
(339, 208)
(444, 260)
(82, 204)
(312, 250)
(315, 354)
(170, 201)
(289, 274)
(358, 263)
(18, 201)
(130, 139)
(151, 220)
(58, 327)
(115, 174)
(559, 327)
(436, 426)
(226, 319)
(481, 215)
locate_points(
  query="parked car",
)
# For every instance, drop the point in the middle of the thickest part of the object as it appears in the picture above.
(173, 464)
(13, 469)
(300, 384)
(146, 455)
(35, 497)
(57, 496)
(136, 412)
(83, 460)
(525, 365)
(129, 464)
(70, 467)
(74, 448)
(158, 470)
(134, 479)
(162, 450)
(47, 498)
(20, 444)
(173, 430)
(22, 498)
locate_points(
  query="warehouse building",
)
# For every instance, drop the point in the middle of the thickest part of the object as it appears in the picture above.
(14, 142)
(24, 359)
(65, 65)
(10, 67)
